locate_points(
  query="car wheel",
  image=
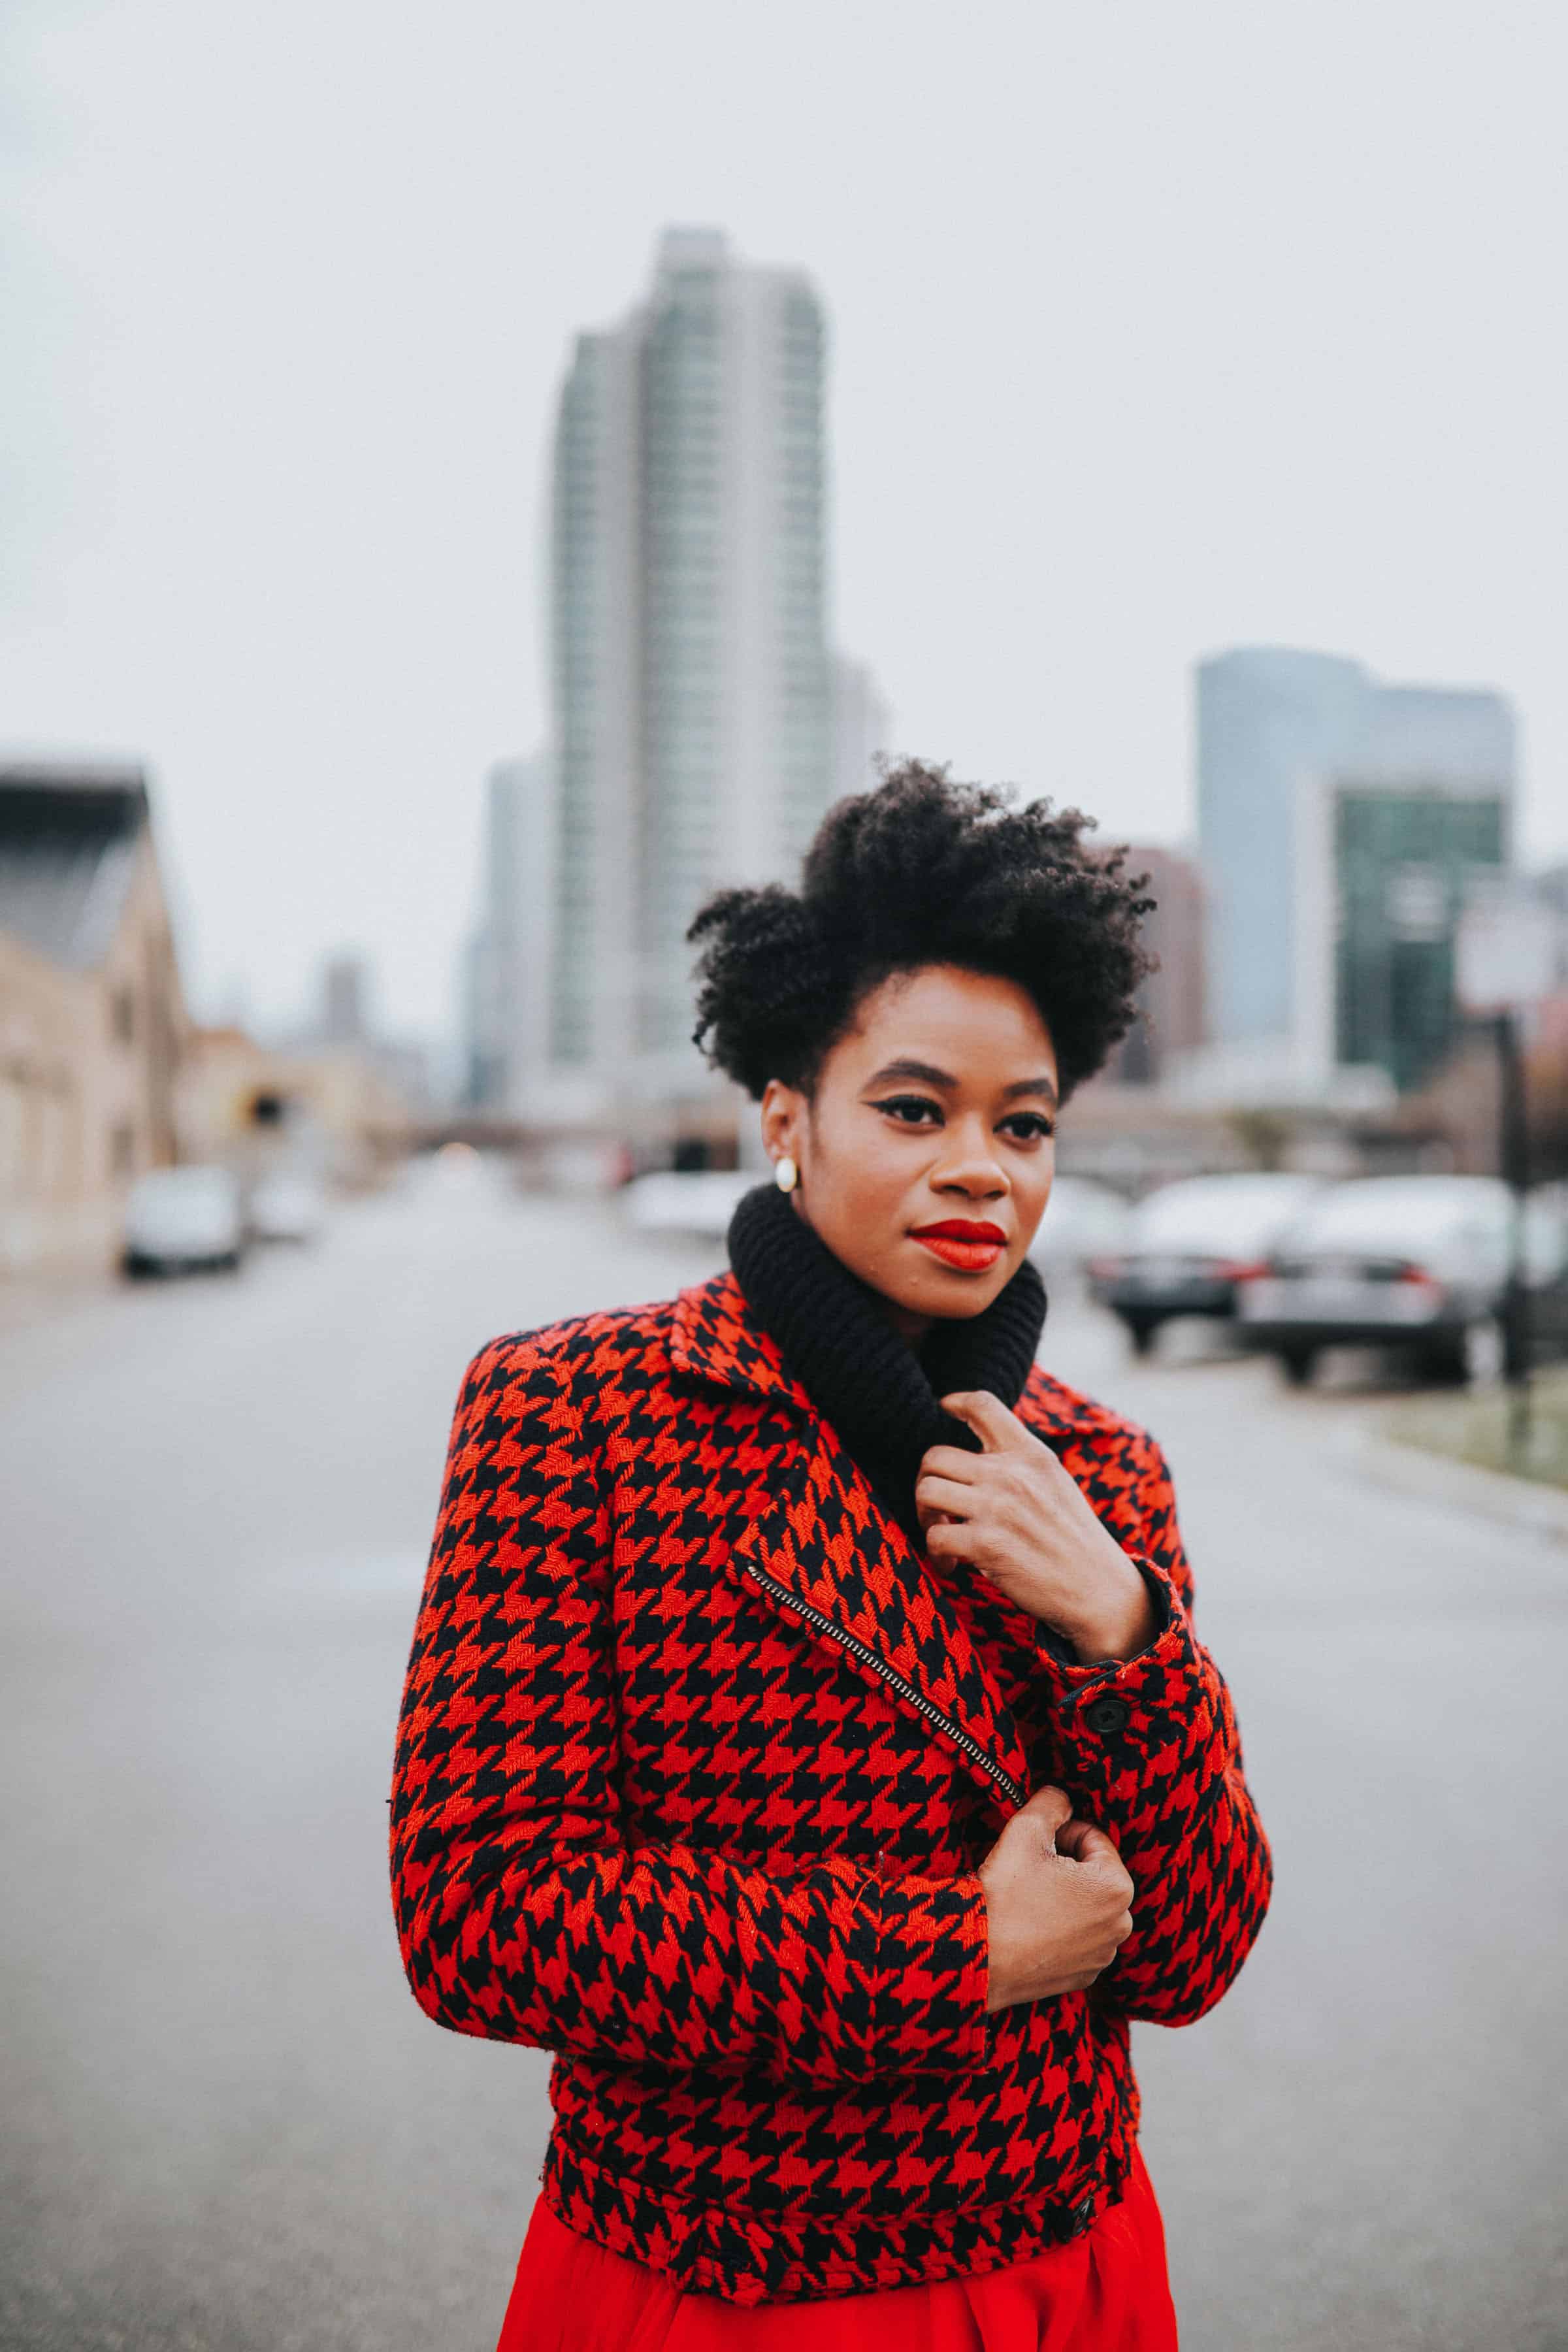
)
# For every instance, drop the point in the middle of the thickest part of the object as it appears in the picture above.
(1298, 1365)
(1143, 1337)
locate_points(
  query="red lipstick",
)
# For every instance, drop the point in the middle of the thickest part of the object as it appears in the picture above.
(960, 1242)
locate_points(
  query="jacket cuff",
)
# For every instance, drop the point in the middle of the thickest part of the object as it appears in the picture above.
(931, 2013)
(1121, 1715)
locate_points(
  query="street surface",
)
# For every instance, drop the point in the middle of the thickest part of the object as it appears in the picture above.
(228, 2128)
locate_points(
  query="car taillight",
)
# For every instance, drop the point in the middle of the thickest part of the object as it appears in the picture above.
(1107, 1269)
(1231, 1269)
(1419, 1276)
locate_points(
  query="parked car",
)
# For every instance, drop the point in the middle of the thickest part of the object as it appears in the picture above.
(286, 1208)
(178, 1218)
(698, 1201)
(1191, 1245)
(1083, 1220)
(1420, 1262)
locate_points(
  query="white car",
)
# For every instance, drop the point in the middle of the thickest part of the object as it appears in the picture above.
(286, 1208)
(701, 1201)
(1083, 1220)
(183, 1217)
(1417, 1262)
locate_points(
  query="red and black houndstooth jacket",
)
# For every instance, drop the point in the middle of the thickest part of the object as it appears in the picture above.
(698, 1757)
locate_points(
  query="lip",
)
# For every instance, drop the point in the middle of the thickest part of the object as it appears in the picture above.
(960, 1242)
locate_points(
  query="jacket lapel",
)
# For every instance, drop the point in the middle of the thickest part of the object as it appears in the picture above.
(814, 1540)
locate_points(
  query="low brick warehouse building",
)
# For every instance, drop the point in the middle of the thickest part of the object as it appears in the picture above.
(92, 1017)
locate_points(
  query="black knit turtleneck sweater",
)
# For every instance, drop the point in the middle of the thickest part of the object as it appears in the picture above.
(835, 1336)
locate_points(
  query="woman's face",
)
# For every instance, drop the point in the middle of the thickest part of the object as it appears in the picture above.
(926, 1156)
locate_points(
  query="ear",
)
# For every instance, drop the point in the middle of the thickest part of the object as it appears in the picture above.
(783, 1120)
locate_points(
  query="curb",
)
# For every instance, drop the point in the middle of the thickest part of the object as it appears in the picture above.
(1410, 1470)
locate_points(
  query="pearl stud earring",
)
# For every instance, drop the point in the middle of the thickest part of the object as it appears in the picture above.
(786, 1175)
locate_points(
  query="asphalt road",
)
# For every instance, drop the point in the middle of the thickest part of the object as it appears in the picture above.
(227, 2127)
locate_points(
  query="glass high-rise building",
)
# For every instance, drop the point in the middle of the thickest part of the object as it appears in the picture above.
(1417, 816)
(1342, 823)
(691, 687)
(1267, 716)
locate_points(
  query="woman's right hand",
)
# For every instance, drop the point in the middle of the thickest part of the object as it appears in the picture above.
(1058, 1903)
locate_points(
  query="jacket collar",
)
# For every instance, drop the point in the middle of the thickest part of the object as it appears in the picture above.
(716, 1339)
(816, 1540)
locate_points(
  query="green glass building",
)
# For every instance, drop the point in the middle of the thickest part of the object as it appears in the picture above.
(1405, 862)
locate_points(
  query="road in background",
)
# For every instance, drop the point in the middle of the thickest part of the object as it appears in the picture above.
(228, 2127)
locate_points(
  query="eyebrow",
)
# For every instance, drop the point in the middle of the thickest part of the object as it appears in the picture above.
(927, 1074)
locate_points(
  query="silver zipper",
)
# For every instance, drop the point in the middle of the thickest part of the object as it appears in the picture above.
(895, 1681)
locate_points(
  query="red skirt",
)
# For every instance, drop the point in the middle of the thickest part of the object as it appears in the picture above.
(1105, 2292)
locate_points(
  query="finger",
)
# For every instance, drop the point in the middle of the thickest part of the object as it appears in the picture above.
(1071, 1835)
(951, 1461)
(945, 1495)
(999, 1430)
(928, 1520)
(946, 1540)
(1084, 1842)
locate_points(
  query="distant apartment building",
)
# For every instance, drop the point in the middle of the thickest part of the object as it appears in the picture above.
(508, 977)
(92, 1018)
(1171, 1008)
(693, 699)
(1342, 825)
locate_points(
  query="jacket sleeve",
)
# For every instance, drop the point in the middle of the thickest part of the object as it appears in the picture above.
(1151, 1750)
(526, 1909)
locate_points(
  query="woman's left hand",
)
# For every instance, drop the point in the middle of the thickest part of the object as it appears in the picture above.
(1014, 1514)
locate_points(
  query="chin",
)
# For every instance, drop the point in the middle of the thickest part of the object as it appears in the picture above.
(955, 1297)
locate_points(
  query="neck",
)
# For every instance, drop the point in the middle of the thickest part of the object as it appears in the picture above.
(853, 1348)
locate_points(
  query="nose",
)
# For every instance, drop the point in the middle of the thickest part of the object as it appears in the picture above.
(969, 1165)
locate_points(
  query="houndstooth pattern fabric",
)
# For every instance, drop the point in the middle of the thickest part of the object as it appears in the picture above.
(696, 1760)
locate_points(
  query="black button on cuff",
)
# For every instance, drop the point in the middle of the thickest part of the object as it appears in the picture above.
(1107, 1715)
(1083, 2212)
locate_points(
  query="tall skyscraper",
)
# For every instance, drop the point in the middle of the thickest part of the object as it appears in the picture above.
(692, 696)
(1342, 822)
(1267, 716)
(509, 962)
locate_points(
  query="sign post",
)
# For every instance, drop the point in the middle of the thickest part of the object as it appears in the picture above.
(1503, 962)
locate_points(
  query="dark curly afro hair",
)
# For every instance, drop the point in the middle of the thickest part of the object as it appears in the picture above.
(921, 871)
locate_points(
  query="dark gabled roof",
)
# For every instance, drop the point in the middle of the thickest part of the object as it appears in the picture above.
(69, 838)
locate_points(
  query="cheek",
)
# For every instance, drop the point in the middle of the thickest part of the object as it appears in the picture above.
(1032, 1187)
(859, 1186)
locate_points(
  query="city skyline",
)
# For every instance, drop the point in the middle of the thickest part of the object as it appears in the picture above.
(1128, 376)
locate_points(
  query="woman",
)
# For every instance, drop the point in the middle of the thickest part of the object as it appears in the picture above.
(806, 1736)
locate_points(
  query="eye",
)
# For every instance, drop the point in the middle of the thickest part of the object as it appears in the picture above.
(1028, 1126)
(910, 1110)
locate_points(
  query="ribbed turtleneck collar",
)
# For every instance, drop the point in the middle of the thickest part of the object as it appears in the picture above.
(835, 1335)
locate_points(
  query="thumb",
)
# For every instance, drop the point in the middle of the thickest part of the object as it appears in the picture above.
(1050, 1809)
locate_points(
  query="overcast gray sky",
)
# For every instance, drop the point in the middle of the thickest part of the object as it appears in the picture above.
(1156, 327)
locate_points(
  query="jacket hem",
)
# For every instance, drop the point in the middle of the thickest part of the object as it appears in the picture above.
(746, 2258)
